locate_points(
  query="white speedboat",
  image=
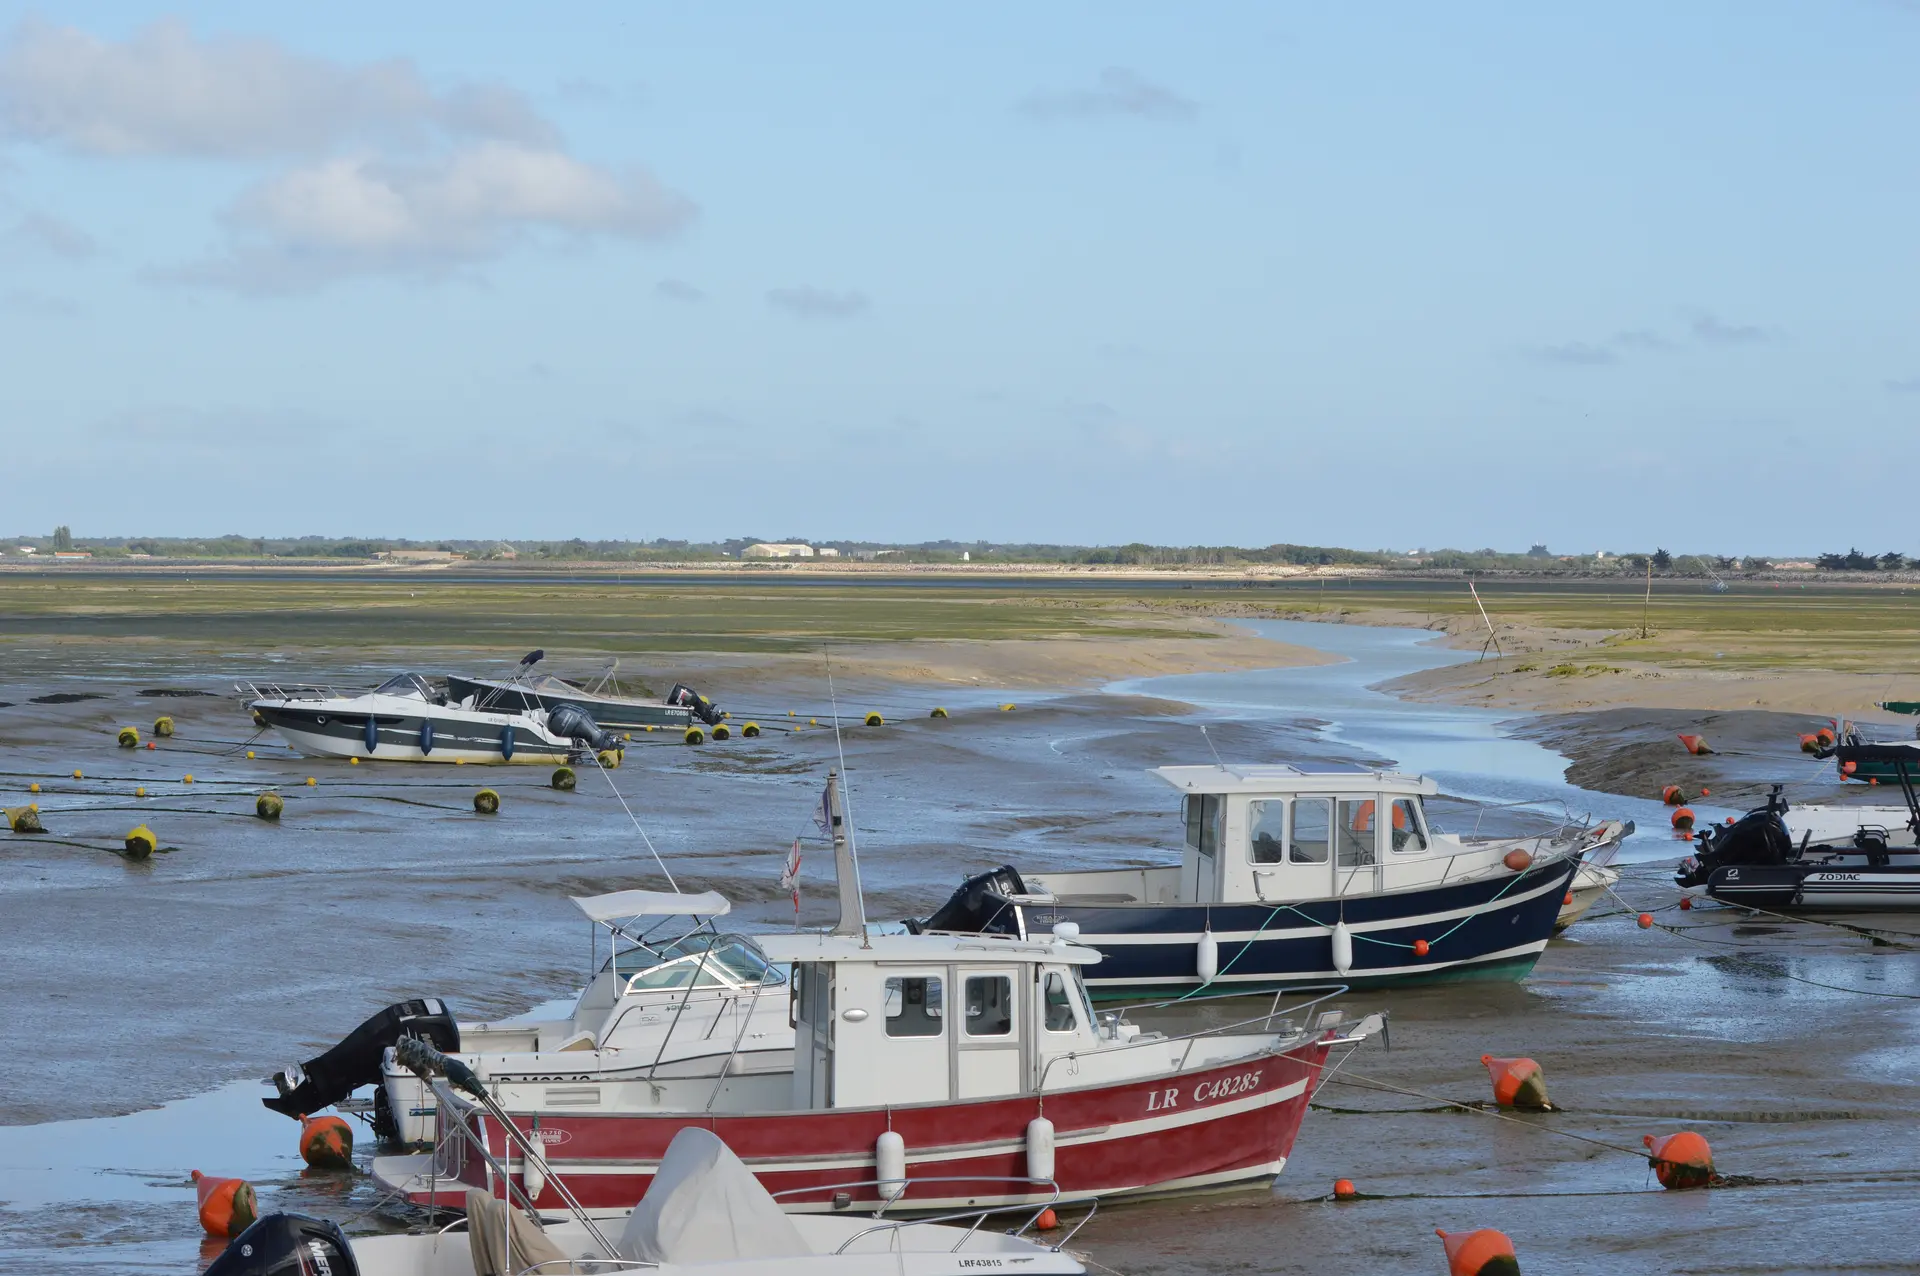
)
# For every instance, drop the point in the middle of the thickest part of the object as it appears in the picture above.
(1595, 876)
(687, 1006)
(410, 719)
(703, 1213)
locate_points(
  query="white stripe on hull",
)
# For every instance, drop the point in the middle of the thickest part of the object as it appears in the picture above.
(1328, 976)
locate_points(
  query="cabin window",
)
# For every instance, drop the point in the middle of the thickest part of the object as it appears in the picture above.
(1205, 815)
(913, 1006)
(1356, 832)
(1266, 832)
(989, 1006)
(1312, 821)
(1059, 1004)
(1408, 837)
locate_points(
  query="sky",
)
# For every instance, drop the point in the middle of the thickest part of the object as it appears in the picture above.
(1599, 276)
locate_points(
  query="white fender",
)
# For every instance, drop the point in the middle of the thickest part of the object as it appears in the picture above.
(533, 1168)
(1040, 1148)
(1206, 957)
(1342, 948)
(890, 1163)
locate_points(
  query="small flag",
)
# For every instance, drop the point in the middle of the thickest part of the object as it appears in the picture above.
(790, 877)
(823, 814)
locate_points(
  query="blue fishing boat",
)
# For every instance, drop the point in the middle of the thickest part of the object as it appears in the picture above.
(1294, 876)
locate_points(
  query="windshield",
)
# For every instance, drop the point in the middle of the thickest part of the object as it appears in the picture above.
(405, 684)
(734, 956)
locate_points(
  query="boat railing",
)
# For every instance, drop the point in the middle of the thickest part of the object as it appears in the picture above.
(895, 1190)
(286, 691)
(1259, 1023)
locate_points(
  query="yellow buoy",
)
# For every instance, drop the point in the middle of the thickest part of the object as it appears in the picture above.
(720, 731)
(141, 792)
(1006, 708)
(249, 755)
(311, 781)
(562, 779)
(268, 806)
(610, 758)
(34, 787)
(24, 819)
(186, 779)
(259, 718)
(628, 737)
(77, 775)
(696, 736)
(486, 801)
(163, 726)
(750, 730)
(129, 737)
(459, 761)
(937, 712)
(141, 842)
(875, 720)
(813, 722)
(353, 761)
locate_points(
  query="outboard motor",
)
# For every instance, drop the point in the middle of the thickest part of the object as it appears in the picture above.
(978, 907)
(287, 1245)
(687, 698)
(1760, 837)
(306, 1088)
(575, 723)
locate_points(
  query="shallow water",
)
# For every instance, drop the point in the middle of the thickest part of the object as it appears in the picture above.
(252, 945)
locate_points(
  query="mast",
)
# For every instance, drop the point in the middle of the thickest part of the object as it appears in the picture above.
(846, 865)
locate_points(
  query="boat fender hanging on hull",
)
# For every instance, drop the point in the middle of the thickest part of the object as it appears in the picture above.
(506, 744)
(890, 1164)
(1040, 1148)
(1342, 948)
(426, 736)
(372, 734)
(1206, 959)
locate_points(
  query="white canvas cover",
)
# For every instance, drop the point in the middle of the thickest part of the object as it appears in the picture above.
(704, 1206)
(623, 904)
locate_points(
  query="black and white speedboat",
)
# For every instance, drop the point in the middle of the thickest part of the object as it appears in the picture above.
(527, 692)
(1835, 863)
(1293, 877)
(408, 718)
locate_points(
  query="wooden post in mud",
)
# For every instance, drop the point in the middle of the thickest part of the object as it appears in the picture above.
(1492, 637)
(1647, 600)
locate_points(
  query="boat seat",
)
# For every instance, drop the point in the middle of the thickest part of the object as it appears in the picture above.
(489, 1222)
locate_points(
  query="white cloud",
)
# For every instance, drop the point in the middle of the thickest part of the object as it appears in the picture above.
(390, 173)
(343, 217)
(163, 91)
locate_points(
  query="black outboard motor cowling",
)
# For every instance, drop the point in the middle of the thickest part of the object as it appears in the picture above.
(575, 723)
(978, 907)
(1760, 837)
(321, 1082)
(687, 698)
(287, 1245)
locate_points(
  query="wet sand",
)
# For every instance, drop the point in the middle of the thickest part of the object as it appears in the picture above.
(180, 980)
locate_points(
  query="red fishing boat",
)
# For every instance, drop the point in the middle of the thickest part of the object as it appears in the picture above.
(940, 1067)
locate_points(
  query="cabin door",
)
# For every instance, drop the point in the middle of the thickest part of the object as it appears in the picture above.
(987, 1046)
(813, 1034)
(1356, 847)
(891, 1036)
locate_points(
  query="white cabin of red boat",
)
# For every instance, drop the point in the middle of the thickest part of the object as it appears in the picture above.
(871, 1025)
(1279, 832)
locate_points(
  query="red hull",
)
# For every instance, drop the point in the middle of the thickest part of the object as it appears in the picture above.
(1228, 1124)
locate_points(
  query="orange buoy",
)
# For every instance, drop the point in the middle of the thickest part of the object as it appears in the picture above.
(1421, 948)
(1680, 1161)
(1047, 1220)
(1481, 1253)
(1566, 901)
(1646, 921)
(1847, 767)
(1809, 743)
(1683, 818)
(1686, 902)
(1706, 792)
(1517, 860)
(227, 1206)
(1344, 1190)
(1517, 1083)
(1825, 736)
(326, 1143)
(1872, 780)
(1696, 745)
(1671, 795)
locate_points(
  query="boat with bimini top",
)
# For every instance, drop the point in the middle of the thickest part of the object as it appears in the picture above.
(1294, 877)
(527, 692)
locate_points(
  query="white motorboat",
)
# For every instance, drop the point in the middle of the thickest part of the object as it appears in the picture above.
(703, 1213)
(409, 718)
(1595, 877)
(686, 1005)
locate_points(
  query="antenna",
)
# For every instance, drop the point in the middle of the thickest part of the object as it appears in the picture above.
(1210, 749)
(846, 799)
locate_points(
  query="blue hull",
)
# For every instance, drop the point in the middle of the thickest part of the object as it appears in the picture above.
(1474, 930)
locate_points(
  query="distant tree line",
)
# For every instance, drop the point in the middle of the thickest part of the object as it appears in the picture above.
(1854, 561)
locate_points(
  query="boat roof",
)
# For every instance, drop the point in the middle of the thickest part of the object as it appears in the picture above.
(1283, 778)
(623, 904)
(819, 946)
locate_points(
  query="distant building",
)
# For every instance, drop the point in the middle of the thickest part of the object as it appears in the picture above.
(418, 555)
(504, 550)
(787, 550)
(28, 549)
(1798, 566)
(72, 553)
(966, 556)
(826, 551)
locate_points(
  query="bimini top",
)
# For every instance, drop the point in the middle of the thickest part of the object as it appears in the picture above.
(623, 904)
(1283, 779)
(932, 949)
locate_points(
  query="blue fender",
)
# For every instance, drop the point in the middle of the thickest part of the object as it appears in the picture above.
(506, 744)
(426, 736)
(373, 734)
